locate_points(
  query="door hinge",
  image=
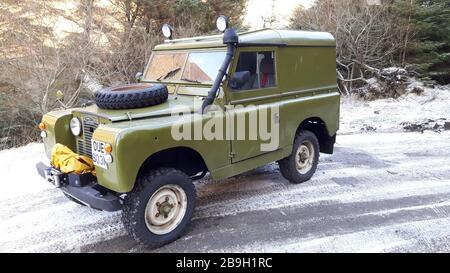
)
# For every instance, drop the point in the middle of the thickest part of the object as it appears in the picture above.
(232, 155)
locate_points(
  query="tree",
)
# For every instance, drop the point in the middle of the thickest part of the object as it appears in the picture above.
(196, 14)
(428, 48)
(35, 63)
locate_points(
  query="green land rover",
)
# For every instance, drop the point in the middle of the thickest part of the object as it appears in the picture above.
(218, 105)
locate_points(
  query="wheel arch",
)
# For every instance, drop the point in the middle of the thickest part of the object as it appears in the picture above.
(317, 126)
(182, 158)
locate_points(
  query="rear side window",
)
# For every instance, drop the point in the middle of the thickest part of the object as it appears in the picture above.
(255, 70)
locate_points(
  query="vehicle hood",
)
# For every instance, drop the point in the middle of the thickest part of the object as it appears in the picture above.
(174, 104)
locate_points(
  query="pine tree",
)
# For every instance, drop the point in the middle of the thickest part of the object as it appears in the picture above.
(429, 48)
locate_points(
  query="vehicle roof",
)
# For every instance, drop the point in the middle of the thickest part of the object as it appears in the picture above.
(257, 38)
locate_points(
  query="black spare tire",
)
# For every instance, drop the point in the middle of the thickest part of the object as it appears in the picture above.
(131, 96)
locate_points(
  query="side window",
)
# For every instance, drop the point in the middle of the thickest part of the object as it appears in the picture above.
(254, 70)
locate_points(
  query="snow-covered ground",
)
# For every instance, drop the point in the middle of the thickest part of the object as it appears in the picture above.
(384, 190)
(34, 216)
(387, 115)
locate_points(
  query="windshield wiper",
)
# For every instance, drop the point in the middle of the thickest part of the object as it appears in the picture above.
(190, 80)
(169, 74)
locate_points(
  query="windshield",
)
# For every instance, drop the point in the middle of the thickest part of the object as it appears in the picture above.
(166, 66)
(201, 67)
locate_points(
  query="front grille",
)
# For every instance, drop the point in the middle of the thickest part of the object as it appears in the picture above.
(84, 145)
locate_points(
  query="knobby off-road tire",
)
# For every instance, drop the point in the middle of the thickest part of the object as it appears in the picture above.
(301, 165)
(143, 208)
(131, 96)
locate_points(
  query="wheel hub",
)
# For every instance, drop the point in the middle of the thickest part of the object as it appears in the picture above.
(305, 157)
(165, 209)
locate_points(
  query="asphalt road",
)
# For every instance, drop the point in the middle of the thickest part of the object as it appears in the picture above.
(379, 192)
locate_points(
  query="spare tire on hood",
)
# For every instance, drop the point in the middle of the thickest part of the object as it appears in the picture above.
(129, 96)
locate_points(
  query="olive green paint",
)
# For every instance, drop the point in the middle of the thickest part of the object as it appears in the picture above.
(57, 130)
(306, 88)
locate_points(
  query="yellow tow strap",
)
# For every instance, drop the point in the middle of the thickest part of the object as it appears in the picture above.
(67, 161)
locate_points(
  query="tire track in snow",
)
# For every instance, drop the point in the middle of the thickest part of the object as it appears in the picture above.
(314, 221)
(395, 238)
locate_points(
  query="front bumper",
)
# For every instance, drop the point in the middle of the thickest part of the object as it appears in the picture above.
(81, 187)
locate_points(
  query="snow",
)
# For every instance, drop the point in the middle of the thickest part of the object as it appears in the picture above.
(28, 202)
(386, 239)
(394, 70)
(386, 115)
(17, 172)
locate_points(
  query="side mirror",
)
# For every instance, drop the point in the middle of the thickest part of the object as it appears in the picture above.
(139, 76)
(239, 79)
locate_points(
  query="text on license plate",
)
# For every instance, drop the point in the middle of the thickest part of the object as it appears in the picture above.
(98, 154)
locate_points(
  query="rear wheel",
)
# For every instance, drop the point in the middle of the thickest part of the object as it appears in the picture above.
(159, 209)
(301, 165)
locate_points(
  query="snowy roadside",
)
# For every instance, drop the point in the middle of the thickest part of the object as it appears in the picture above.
(36, 217)
(18, 173)
(388, 115)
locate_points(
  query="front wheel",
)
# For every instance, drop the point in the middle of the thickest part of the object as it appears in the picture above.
(301, 165)
(159, 209)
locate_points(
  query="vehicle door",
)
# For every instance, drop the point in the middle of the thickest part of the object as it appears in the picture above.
(252, 95)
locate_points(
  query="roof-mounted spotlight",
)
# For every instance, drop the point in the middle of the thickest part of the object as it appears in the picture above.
(222, 23)
(167, 31)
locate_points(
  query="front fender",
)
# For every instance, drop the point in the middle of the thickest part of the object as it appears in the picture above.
(133, 145)
(57, 130)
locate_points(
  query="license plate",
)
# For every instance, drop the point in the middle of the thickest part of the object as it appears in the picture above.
(98, 154)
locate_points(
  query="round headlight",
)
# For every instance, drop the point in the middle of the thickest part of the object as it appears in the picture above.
(167, 31)
(75, 126)
(222, 23)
